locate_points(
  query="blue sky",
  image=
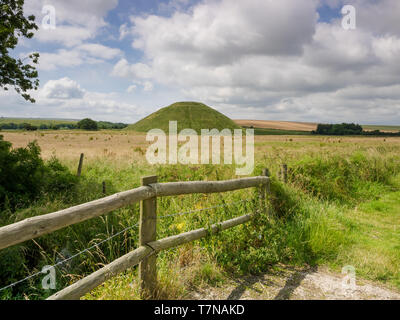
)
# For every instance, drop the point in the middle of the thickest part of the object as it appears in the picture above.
(120, 60)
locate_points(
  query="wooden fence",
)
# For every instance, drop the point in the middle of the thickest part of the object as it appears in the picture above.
(149, 246)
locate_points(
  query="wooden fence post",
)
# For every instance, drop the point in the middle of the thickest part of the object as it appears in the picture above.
(264, 191)
(147, 233)
(284, 173)
(80, 165)
(268, 185)
(104, 188)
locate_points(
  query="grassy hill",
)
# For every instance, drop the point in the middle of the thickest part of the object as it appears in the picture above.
(193, 115)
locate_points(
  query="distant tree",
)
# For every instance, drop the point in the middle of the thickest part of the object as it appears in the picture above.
(350, 129)
(32, 128)
(324, 128)
(66, 126)
(13, 72)
(24, 126)
(339, 129)
(27, 126)
(87, 124)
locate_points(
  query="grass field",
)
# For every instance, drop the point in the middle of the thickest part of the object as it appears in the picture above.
(341, 206)
(382, 128)
(263, 127)
(36, 122)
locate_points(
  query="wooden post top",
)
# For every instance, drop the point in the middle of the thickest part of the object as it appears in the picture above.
(148, 180)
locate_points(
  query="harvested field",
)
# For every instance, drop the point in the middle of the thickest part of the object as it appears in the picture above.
(280, 125)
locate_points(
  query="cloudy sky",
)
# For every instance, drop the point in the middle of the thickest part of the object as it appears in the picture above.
(119, 60)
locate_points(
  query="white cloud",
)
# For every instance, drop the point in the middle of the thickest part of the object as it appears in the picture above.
(63, 88)
(219, 32)
(89, 53)
(124, 31)
(66, 35)
(100, 51)
(387, 49)
(131, 88)
(271, 59)
(62, 58)
(64, 98)
(76, 20)
(136, 71)
(216, 41)
(379, 17)
(254, 59)
(338, 49)
(148, 86)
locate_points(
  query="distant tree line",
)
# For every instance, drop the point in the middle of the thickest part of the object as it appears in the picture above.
(348, 129)
(339, 129)
(111, 125)
(85, 124)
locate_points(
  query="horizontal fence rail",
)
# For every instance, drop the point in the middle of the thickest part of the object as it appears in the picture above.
(178, 188)
(144, 255)
(87, 284)
(38, 226)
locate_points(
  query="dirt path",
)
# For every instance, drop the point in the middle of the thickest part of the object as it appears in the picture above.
(295, 284)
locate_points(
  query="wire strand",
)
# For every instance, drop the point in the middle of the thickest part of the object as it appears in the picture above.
(202, 209)
(71, 257)
(118, 233)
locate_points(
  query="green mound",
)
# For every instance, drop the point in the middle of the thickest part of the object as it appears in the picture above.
(192, 115)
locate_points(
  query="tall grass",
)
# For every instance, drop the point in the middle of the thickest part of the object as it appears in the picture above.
(310, 221)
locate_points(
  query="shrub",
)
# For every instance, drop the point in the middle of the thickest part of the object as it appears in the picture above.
(24, 175)
(58, 178)
(20, 172)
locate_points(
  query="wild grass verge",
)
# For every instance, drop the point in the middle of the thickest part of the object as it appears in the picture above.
(340, 207)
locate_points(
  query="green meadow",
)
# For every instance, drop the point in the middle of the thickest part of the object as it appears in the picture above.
(381, 127)
(36, 121)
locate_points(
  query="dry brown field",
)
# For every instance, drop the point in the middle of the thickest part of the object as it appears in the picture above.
(123, 147)
(279, 125)
(303, 126)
